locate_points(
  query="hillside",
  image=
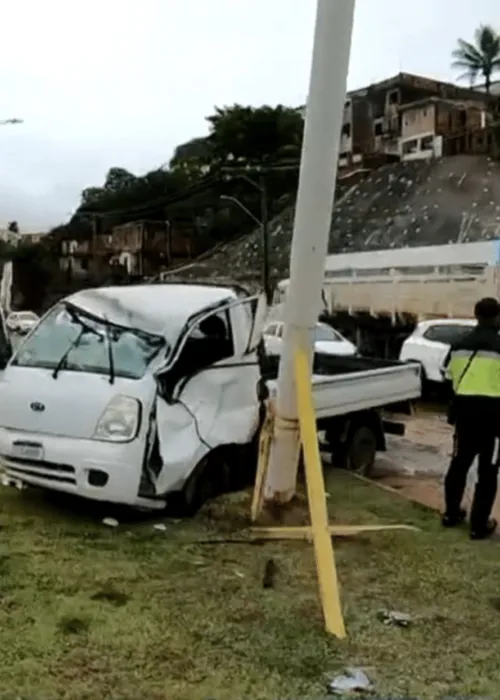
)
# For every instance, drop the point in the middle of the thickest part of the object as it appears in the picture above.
(403, 204)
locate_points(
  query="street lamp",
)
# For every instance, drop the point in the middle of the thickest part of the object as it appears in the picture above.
(228, 198)
(263, 223)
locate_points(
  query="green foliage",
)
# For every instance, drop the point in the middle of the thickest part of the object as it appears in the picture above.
(255, 135)
(480, 59)
(33, 269)
(188, 192)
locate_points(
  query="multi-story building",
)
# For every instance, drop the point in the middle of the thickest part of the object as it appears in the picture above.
(373, 116)
(33, 238)
(374, 125)
(139, 247)
(435, 126)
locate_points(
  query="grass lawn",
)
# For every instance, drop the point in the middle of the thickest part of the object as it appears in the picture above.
(91, 612)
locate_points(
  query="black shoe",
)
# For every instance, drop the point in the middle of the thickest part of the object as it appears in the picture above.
(453, 520)
(485, 532)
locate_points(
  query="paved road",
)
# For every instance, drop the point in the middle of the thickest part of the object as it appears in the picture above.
(425, 448)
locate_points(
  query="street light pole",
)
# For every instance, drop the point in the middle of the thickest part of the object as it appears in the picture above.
(318, 173)
(264, 215)
(263, 223)
(239, 204)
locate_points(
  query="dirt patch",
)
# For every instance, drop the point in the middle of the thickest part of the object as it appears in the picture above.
(421, 489)
(416, 464)
(428, 489)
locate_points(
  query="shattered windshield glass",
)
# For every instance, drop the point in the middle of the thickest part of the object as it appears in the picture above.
(82, 342)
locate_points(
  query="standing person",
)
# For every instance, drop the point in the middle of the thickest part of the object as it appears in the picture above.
(473, 364)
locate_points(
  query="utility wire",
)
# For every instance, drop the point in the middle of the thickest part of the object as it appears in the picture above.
(197, 188)
(192, 190)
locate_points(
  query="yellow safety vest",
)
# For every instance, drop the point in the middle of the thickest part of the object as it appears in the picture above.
(482, 377)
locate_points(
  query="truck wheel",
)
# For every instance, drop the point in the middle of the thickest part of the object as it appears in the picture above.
(208, 480)
(360, 450)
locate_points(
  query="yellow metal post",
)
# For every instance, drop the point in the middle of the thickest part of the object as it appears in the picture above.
(265, 439)
(323, 547)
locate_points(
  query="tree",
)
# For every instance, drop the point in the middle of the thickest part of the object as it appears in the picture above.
(193, 157)
(118, 180)
(255, 135)
(189, 191)
(481, 58)
(33, 269)
(13, 227)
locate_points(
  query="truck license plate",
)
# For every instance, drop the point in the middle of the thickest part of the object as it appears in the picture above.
(30, 451)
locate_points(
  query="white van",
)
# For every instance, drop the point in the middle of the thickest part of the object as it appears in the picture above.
(121, 394)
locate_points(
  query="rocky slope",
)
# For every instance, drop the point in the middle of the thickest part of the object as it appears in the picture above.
(400, 205)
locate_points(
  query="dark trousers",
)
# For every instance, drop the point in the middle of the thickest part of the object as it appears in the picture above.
(473, 438)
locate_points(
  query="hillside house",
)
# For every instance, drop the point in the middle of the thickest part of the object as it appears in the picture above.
(74, 257)
(435, 126)
(372, 120)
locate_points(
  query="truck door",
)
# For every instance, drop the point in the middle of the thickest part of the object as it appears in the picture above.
(208, 397)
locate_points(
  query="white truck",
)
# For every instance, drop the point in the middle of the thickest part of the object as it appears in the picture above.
(152, 395)
(377, 298)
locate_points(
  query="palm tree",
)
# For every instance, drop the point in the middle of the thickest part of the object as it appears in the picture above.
(482, 58)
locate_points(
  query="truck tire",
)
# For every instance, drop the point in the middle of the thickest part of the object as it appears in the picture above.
(208, 480)
(359, 450)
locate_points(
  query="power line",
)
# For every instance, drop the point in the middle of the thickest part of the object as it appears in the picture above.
(197, 188)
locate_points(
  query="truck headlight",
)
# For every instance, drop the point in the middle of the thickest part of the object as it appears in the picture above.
(120, 421)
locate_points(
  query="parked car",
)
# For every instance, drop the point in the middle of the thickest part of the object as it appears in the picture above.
(429, 344)
(21, 321)
(326, 340)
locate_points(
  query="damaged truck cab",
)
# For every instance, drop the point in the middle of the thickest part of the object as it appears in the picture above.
(126, 394)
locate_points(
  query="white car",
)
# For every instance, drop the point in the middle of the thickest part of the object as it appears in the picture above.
(21, 321)
(430, 342)
(326, 340)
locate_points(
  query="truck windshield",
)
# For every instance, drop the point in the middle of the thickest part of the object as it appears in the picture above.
(59, 338)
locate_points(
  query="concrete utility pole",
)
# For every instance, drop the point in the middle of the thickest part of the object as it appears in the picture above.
(318, 172)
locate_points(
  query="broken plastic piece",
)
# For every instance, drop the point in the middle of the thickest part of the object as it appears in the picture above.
(393, 617)
(110, 522)
(161, 527)
(353, 680)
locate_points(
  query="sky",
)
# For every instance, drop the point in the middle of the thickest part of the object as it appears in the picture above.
(122, 82)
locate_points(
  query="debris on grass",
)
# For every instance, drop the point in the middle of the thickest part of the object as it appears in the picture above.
(73, 625)
(353, 680)
(110, 522)
(111, 595)
(269, 574)
(393, 617)
(161, 527)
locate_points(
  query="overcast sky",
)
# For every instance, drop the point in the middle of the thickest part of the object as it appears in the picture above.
(122, 82)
